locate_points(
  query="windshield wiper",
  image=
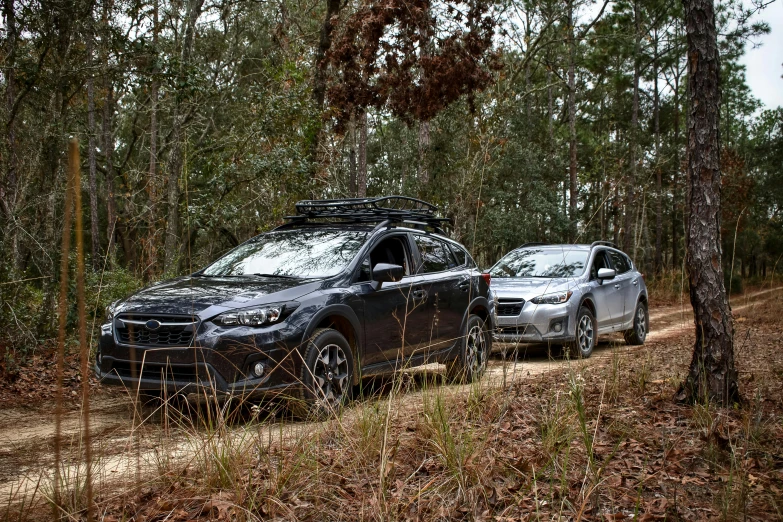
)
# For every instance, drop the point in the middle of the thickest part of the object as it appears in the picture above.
(281, 276)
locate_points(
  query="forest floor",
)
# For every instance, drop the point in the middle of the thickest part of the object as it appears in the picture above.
(536, 438)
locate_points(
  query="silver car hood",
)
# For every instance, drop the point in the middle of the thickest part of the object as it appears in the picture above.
(529, 287)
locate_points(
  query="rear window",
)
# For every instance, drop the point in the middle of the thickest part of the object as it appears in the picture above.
(436, 256)
(621, 263)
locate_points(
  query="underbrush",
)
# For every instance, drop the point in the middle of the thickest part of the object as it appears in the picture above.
(599, 439)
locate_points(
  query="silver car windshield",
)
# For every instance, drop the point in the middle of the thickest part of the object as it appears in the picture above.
(296, 253)
(541, 262)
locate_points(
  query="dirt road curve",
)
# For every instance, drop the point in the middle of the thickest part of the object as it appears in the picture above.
(129, 446)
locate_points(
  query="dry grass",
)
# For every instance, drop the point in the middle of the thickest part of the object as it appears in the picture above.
(596, 439)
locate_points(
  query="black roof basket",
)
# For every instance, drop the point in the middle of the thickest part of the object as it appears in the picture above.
(383, 210)
(604, 243)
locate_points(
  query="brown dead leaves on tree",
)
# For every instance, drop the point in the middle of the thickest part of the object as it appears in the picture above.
(402, 56)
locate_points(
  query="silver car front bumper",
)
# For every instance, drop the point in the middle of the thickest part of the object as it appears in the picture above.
(536, 324)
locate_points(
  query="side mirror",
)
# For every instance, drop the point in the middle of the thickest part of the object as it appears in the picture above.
(387, 273)
(605, 273)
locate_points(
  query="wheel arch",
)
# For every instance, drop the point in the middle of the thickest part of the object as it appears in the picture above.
(343, 319)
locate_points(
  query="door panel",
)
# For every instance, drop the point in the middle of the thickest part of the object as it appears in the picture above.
(396, 316)
(606, 294)
(395, 319)
(448, 288)
(624, 283)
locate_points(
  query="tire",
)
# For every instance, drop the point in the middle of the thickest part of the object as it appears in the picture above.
(475, 347)
(641, 325)
(326, 375)
(585, 335)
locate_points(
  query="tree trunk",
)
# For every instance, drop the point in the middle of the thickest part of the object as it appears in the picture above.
(424, 147)
(572, 123)
(153, 183)
(352, 188)
(633, 134)
(319, 77)
(362, 174)
(107, 139)
(658, 258)
(712, 375)
(178, 161)
(95, 243)
(9, 182)
(676, 174)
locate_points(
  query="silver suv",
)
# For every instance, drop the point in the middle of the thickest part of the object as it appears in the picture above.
(568, 294)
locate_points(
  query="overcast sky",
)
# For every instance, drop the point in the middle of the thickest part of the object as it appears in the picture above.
(765, 63)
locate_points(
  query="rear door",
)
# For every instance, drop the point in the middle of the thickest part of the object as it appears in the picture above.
(626, 283)
(447, 285)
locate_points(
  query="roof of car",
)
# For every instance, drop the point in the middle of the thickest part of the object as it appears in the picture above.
(568, 246)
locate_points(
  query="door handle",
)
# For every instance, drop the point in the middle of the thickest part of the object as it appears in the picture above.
(635, 282)
(419, 295)
(464, 285)
(617, 286)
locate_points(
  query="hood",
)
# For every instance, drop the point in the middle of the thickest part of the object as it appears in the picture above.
(529, 287)
(208, 296)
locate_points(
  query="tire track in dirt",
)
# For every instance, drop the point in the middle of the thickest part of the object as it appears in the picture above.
(130, 448)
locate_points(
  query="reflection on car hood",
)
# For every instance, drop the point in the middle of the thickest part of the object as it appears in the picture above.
(529, 287)
(208, 296)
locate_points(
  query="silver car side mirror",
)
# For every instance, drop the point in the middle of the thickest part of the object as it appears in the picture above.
(605, 273)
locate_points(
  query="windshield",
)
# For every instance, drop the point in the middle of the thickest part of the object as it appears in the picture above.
(296, 253)
(538, 262)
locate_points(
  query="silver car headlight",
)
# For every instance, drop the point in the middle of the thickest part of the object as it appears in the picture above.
(261, 316)
(555, 298)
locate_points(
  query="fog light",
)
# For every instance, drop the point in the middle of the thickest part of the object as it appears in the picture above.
(558, 327)
(258, 369)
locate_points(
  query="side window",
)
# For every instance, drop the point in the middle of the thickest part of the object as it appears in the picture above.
(365, 273)
(600, 261)
(435, 255)
(459, 254)
(620, 262)
(392, 250)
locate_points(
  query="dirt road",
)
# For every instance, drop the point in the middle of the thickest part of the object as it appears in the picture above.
(130, 446)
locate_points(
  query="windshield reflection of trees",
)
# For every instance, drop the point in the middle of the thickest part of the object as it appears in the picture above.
(306, 254)
(541, 263)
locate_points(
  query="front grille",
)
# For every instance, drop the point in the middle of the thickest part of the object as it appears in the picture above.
(174, 330)
(509, 307)
(164, 372)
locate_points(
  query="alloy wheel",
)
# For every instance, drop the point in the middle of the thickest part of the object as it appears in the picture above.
(476, 351)
(585, 334)
(641, 323)
(330, 376)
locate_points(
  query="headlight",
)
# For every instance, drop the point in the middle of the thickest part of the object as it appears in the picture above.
(556, 298)
(252, 317)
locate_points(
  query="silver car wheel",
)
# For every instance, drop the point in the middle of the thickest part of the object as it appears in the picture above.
(585, 334)
(641, 323)
(476, 351)
(330, 376)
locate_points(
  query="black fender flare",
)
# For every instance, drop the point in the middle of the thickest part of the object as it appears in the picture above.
(478, 301)
(588, 297)
(347, 313)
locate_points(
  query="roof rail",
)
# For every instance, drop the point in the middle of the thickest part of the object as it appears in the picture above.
(605, 243)
(381, 211)
(531, 244)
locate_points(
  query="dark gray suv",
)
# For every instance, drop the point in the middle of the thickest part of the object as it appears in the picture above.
(569, 294)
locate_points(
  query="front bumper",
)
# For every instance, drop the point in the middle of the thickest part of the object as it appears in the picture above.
(219, 360)
(536, 324)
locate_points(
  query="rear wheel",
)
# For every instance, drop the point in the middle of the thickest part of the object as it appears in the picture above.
(475, 347)
(641, 324)
(327, 374)
(586, 334)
